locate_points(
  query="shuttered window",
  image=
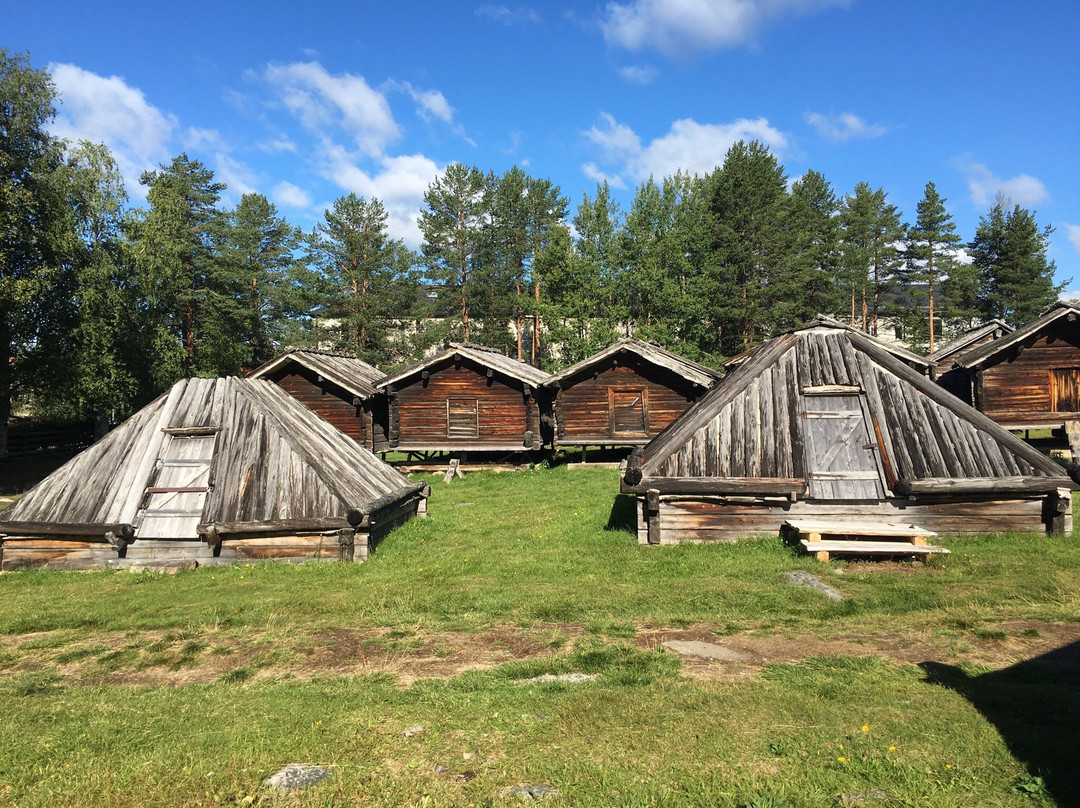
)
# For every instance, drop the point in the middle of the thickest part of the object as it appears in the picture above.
(1065, 390)
(628, 412)
(462, 419)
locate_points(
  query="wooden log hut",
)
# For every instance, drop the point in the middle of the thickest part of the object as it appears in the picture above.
(215, 471)
(1029, 379)
(338, 387)
(823, 423)
(625, 395)
(946, 370)
(466, 398)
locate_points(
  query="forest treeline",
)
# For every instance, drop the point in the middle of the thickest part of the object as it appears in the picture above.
(103, 304)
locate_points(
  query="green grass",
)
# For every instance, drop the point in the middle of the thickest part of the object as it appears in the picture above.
(545, 557)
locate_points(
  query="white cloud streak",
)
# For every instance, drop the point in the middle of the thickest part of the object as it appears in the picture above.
(1072, 232)
(985, 185)
(843, 127)
(688, 146)
(287, 195)
(678, 28)
(638, 75)
(509, 16)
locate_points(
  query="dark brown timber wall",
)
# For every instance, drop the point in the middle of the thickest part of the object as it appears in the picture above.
(327, 400)
(1041, 385)
(460, 407)
(600, 408)
(705, 519)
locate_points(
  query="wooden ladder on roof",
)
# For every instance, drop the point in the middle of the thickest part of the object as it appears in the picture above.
(172, 505)
(860, 538)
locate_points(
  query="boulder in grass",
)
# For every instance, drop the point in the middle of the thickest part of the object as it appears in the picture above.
(297, 776)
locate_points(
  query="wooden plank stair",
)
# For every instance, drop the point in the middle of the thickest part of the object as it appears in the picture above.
(861, 538)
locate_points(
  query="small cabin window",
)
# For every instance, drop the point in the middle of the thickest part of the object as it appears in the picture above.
(462, 419)
(1065, 390)
(628, 412)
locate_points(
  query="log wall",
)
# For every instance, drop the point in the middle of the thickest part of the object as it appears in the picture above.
(330, 402)
(709, 519)
(583, 405)
(504, 413)
(1019, 391)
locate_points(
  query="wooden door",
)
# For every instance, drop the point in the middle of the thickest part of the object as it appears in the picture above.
(840, 459)
(628, 413)
(462, 419)
(1065, 390)
(175, 499)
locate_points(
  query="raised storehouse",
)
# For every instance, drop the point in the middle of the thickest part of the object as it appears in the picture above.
(465, 398)
(338, 387)
(625, 395)
(946, 370)
(1029, 379)
(214, 471)
(824, 423)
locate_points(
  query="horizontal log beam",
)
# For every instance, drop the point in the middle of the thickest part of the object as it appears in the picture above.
(749, 486)
(929, 486)
(80, 529)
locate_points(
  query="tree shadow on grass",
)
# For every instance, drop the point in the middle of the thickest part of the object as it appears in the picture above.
(623, 513)
(1035, 706)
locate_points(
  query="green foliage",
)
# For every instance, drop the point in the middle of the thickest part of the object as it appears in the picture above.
(930, 255)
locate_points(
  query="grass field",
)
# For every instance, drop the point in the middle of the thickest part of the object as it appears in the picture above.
(949, 684)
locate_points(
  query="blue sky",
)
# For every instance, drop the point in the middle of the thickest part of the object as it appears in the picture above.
(306, 102)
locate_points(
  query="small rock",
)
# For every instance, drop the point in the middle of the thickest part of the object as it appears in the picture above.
(466, 776)
(704, 650)
(415, 729)
(801, 578)
(860, 797)
(530, 792)
(440, 769)
(466, 755)
(568, 678)
(296, 776)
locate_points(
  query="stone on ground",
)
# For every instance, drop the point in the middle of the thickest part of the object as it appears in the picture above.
(802, 578)
(296, 776)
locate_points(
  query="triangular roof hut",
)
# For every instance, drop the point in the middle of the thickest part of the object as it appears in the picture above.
(625, 394)
(209, 470)
(465, 398)
(822, 421)
(337, 386)
(1030, 379)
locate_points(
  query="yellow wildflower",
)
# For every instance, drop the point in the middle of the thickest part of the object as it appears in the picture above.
(865, 727)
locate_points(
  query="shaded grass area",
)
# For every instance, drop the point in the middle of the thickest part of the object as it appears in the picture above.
(802, 734)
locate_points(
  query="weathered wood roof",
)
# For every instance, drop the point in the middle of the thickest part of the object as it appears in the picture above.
(650, 352)
(485, 357)
(993, 352)
(344, 370)
(993, 329)
(748, 425)
(273, 459)
(920, 363)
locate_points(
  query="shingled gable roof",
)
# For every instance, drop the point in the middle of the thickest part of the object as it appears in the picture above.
(273, 460)
(747, 425)
(969, 338)
(649, 351)
(344, 370)
(986, 354)
(485, 357)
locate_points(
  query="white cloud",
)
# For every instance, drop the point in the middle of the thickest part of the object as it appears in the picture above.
(399, 183)
(110, 111)
(638, 75)
(678, 28)
(288, 195)
(985, 186)
(509, 16)
(1072, 231)
(593, 172)
(688, 146)
(321, 100)
(842, 128)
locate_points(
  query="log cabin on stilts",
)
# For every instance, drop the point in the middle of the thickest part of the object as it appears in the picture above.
(338, 387)
(825, 424)
(466, 398)
(215, 471)
(624, 395)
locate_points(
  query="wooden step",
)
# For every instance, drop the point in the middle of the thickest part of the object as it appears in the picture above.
(822, 548)
(811, 529)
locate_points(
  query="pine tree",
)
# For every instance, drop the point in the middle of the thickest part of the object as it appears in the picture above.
(452, 226)
(809, 286)
(1009, 253)
(931, 247)
(871, 230)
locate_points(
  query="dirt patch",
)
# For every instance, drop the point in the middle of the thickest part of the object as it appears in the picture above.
(166, 659)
